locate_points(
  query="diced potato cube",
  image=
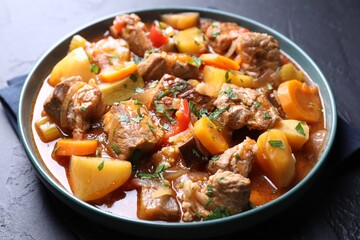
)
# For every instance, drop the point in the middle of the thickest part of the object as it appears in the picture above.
(289, 72)
(78, 41)
(92, 178)
(76, 63)
(181, 20)
(190, 40)
(216, 77)
(275, 157)
(296, 132)
(121, 90)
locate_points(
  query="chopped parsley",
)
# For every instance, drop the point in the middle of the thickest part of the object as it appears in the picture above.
(94, 68)
(172, 120)
(257, 104)
(276, 144)
(195, 61)
(269, 86)
(227, 79)
(217, 112)
(115, 149)
(237, 156)
(133, 77)
(153, 84)
(166, 127)
(196, 42)
(151, 127)
(218, 212)
(209, 191)
(83, 109)
(124, 118)
(220, 179)
(136, 102)
(158, 172)
(300, 129)
(230, 94)
(56, 149)
(209, 201)
(139, 90)
(196, 153)
(215, 33)
(267, 115)
(101, 165)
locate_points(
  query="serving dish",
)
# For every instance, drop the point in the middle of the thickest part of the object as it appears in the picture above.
(164, 229)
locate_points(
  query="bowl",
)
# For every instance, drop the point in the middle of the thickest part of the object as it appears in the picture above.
(156, 228)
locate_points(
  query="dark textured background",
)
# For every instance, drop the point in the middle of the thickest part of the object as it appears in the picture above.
(327, 30)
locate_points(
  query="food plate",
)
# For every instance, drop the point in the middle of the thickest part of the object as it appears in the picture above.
(157, 228)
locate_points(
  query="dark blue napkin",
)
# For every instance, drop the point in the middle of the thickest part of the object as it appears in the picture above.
(331, 209)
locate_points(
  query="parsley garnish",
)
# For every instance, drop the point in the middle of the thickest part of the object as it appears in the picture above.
(227, 80)
(217, 112)
(153, 84)
(269, 86)
(151, 127)
(195, 61)
(267, 115)
(209, 191)
(220, 179)
(101, 165)
(56, 149)
(300, 129)
(196, 153)
(82, 108)
(218, 212)
(209, 201)
(158, 172)
(124, 118)
(136, 102)
(166, 127)
(115, 148)
(229, 92)
(215, 33)
(139, 90)
(257, 104)
(94, 68)
(276, 144)
(133, 77)
(237, 156)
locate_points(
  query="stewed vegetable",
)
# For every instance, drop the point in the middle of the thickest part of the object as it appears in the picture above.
(178, 119)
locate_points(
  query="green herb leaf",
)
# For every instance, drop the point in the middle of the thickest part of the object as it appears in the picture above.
(237, 156)
(56, 149)
(124, 118)
(115, 148)
(94, 68)
(300, 129)
(217, 112)
(267, 115)
(172, 120)
(83, 109)
(101, 165)
(209, 191)
(269, 86)
(276, 144)
(220, 179)
(136, 102)
(215, 33)
(166, 127)
(229, 92)
(227, 80)
(151, 127)
(195, 61)
(218, 212)
(153, 84)
(148, 175)
(196, 154)
(257, 104)
(209, 201)
(139, 90)
(161, 167)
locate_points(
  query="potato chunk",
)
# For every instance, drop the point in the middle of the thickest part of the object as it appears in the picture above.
(275, 157)
(92, 178)
(190, 40)
(296, 132)
(181, 20)
(76, 63)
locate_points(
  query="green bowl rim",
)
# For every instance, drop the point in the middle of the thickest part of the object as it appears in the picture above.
(45, 176)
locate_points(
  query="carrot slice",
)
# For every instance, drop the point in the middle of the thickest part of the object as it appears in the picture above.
(112, 75)
(209, 136)
(68, 147)
(299, 101)
(219, 61)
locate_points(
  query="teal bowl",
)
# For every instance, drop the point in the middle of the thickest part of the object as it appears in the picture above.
(164, 229)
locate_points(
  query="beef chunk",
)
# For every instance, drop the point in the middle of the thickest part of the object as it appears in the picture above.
(220, 35)
(129, 127)
(245, 107)
(157, 64)
(134, 32)
(238, 159)
(156, 201)
(259, 52)
(73, 104)
(109, 51)
(230, 192)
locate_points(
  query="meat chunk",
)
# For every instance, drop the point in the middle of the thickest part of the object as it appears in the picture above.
(157, 64)
(180, 88)
(223, 194)
(245, 107)
(156, 201)
(134, 32)
(109, 51)
(238, 159)
(73, 104)
(259, 52)
(130, 127)
(220, 35)
(230, 192)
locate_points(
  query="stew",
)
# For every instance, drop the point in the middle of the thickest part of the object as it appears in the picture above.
(178, 119)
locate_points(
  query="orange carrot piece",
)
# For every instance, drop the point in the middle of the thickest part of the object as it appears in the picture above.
(209, 136)
(219, 61)
(113, 75)
(69, 147)
(299, 101)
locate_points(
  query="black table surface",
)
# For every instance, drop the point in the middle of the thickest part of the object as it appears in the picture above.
(327, 30)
